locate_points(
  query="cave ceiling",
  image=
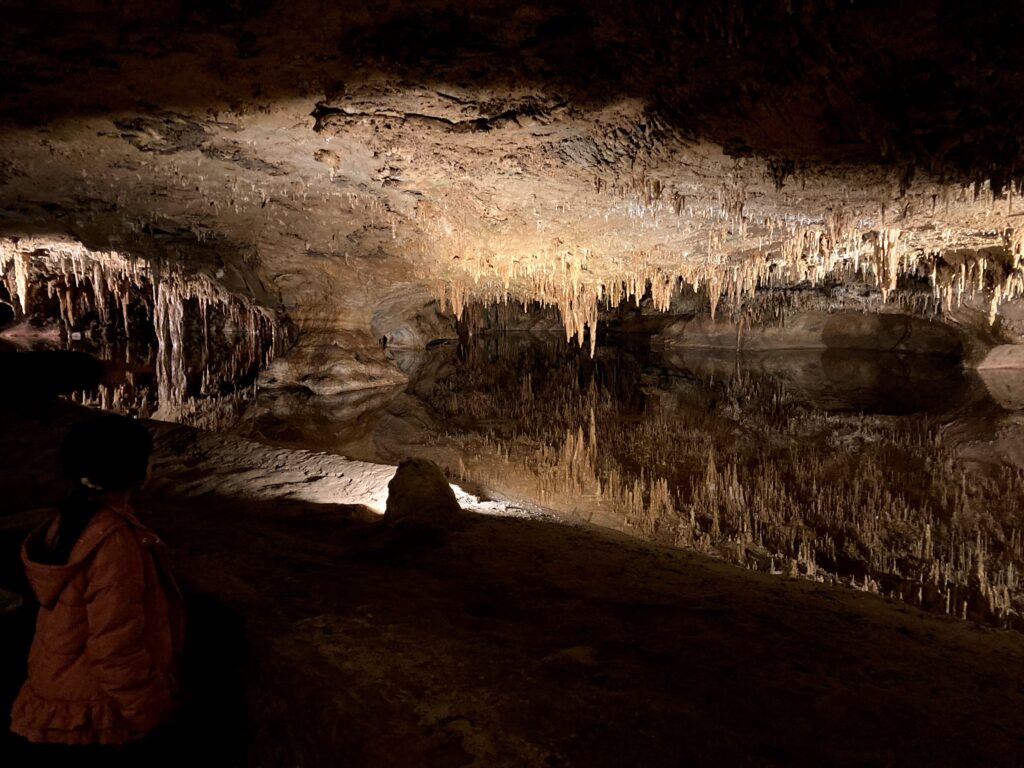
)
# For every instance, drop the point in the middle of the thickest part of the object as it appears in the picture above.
(316, 155)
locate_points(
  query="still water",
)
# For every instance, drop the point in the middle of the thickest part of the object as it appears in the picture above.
(899, 474)
(889, 473)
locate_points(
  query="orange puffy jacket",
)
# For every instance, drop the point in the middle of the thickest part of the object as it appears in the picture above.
(103, 668)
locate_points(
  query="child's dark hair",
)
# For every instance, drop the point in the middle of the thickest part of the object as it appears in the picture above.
(107, 453)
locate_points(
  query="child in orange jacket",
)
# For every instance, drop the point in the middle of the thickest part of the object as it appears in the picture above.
(103, 668)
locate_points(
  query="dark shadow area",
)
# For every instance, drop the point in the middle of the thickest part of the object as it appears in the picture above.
(869, 82)
(43, 374)
(209, 730)
(212, 723)
(839, 379)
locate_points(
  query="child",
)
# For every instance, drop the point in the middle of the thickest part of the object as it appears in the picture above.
(103, 669)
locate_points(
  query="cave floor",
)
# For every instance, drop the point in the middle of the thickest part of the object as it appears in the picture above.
(321, 637)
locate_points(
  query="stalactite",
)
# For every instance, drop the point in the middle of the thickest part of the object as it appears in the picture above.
(85, 281)
(583, 266)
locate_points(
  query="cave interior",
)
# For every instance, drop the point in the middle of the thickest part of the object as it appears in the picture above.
(695, 331)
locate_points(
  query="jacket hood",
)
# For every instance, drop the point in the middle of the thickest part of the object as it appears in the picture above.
(48, 581)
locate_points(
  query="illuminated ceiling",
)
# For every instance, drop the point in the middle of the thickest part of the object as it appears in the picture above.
(314, 155)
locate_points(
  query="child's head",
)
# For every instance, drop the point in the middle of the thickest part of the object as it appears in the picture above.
(107, 453)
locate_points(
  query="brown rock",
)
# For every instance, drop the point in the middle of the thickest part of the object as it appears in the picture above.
(419, 491)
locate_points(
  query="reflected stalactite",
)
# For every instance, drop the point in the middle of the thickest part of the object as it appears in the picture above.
(116, 305)
(739, 468)
(168, 322)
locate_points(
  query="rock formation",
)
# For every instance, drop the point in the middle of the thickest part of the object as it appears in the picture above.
(573, 155)
(741, 279)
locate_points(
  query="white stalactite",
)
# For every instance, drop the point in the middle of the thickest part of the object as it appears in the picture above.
(84, 280)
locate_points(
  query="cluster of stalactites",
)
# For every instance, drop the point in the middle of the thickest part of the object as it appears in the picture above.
(81, 280)
(996, 273)
(107, 282)
(806, 255)
(259, 338)
(561, 287)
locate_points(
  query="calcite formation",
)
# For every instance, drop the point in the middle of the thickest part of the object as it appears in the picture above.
(571, 155)
(102, 286)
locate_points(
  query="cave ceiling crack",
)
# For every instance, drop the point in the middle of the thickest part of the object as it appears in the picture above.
(322, 114)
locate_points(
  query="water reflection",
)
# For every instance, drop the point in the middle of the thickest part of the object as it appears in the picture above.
(114, 372)
(202, 374)
(839, 379)
(176, 345)
(830, 464)
(1005, 386)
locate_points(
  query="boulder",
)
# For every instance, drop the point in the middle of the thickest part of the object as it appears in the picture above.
(419, 491)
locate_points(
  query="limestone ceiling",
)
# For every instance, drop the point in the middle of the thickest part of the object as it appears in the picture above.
(315, 153)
